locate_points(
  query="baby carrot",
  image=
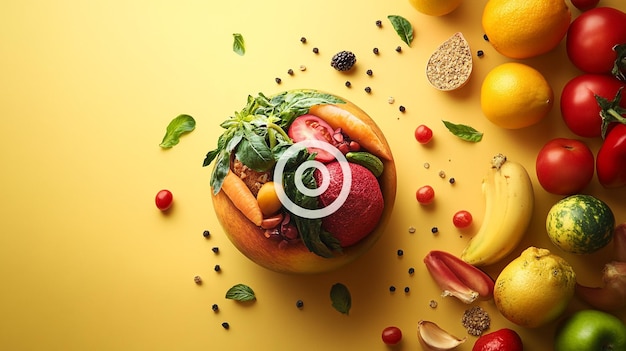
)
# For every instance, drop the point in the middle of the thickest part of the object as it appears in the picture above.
(356, 128)
(241, 196)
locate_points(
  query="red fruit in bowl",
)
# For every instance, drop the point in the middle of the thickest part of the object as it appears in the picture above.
(500, 340)
(362, 209)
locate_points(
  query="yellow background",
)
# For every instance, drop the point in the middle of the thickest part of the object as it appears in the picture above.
(86, 90)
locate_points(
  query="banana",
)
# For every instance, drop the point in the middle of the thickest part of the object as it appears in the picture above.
(509, 202)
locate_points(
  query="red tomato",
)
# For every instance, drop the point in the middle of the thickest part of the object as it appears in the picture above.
(423, 134)
(425, 194)
(584, 5)
(579, 107)
(310, 127)
(592, 36)
(392, 335)
(564, 166)
(164, 200)
(462, 219)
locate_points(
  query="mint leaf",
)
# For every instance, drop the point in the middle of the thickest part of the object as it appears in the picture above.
(403, 28)
(178, 126)
(464, 132)
(239, 46)
(340, 298)
(240, 292)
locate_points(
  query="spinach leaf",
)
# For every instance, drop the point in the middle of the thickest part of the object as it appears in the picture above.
(341, 298)
(403, 27)
(464, 132)
(239, 46)
(253, 152)
(240, 292)
(176, 127)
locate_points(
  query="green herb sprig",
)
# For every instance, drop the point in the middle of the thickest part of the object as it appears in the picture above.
(257, 134)
(239, 45)
(403, 27)
(340, 298)
(240, 292)
(464, 132)
(177, 126)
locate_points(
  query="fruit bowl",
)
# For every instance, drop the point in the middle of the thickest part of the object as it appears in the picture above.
(253, 241)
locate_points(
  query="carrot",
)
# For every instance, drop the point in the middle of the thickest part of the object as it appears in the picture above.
(241, 196)
(357, 129)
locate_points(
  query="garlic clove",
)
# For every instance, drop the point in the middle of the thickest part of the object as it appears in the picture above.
(434, 338)
(458, 278)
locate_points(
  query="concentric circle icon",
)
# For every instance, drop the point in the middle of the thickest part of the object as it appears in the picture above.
(299, 210)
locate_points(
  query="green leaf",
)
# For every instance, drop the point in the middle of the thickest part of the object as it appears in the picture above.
(178, 126)
(403, 27)
(611, 111)
(240, 292)
(340, 298)
(239, 46)
(464, 132)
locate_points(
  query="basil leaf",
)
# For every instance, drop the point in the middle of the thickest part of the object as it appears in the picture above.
(464, 132)
(403, 28)
(239, 46)
(340, 298)
(240, 292)
(254, 152)
(179, 125)
(222, 166)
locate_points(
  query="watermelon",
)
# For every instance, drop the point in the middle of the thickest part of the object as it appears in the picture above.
(580, 224)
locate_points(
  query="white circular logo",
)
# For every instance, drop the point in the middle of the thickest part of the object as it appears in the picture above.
(305, 212)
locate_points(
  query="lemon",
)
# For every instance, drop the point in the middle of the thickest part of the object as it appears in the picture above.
(514, 95)
(522, 29)
(535, 288)
(435, 7)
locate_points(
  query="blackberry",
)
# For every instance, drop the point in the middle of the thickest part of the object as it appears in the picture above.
(343, 60)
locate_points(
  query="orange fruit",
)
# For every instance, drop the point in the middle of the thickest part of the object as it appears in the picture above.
(522, 29)
(534, 288)
(514, 95)
(435, 7)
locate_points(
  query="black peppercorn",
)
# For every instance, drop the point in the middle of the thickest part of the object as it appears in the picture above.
(400, 252)
(485, 37)
(206, 233)
(303, 40)
(399, 49)
(278, 80)
(299, 303)
(434, 230)
(452, 180)
(215, 307)
(406, 289)
(379, 23)
(375, 51)
(369, 72)
(480, 53)
(348, 84)
(411, 270)
(290, 72)
(392, 288)
(402, 108)
(368, 90)
(316, 50)
(225, 325)
(217, 268)
(215, 249)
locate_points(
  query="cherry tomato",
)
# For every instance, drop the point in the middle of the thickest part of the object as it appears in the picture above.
(462, 219)
(425, 194)
(564, 166)
(310, 127)
(423, 134)
(392, 335)
(584, 5)
(579, 107)
(164, 200)
(591, 37)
